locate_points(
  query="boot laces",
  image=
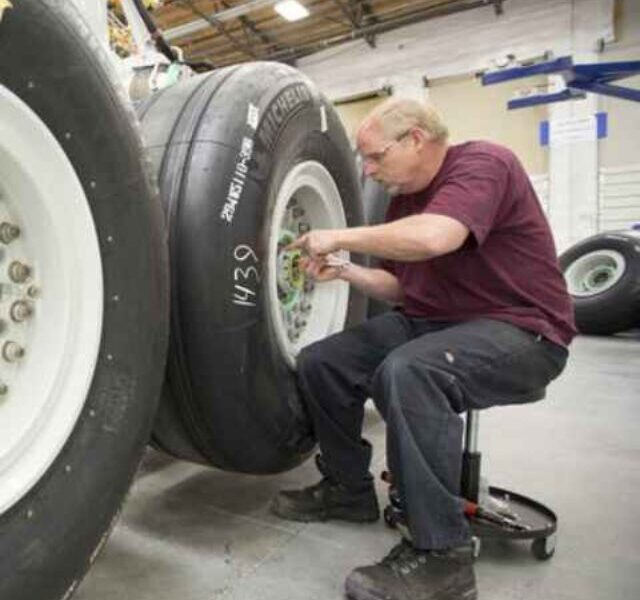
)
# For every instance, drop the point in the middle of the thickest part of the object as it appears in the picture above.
(404, 558)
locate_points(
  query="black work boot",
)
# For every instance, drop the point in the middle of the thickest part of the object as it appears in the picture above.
(408, 573)
(326, 500)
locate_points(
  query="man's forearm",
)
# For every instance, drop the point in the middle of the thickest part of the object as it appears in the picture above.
(376, 283)
(414, 238)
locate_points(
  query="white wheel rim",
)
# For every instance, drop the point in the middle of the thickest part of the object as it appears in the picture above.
(45, 388)
(321, 309)
(594, 273)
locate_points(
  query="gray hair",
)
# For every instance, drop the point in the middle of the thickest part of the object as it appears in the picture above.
(397, 116)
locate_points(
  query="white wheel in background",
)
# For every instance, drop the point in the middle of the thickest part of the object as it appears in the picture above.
(595, 272)
(50, 301)
(303, 312)
(602, 274)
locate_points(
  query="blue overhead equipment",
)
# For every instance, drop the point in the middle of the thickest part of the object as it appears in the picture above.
(579, 79)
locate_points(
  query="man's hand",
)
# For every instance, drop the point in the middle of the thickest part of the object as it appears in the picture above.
(317, 243)
(320, 269)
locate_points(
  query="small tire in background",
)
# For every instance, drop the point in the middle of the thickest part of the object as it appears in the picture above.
(85, 325)
(603, 277)
(248, 158)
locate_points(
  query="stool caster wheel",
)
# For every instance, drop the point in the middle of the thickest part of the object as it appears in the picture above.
(543, 548)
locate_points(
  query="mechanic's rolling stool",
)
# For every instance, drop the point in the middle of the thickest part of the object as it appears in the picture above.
(492, 512)
(508, 515)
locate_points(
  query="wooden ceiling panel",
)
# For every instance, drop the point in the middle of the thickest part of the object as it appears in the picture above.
(261, 34)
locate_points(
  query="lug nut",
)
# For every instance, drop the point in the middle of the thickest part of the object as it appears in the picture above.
(20, 311)
(303, 228)
(297, 212)
(33, 291)
(8, 232)
(11, 351)
(19, 272)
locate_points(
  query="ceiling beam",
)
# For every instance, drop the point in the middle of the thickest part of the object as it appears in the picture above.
(346, 11)
(246, 49)
(222, 15)
(355, 18)
(364, 13)
(250, 26)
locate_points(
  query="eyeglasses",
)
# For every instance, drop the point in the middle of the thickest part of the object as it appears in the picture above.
(378, 157)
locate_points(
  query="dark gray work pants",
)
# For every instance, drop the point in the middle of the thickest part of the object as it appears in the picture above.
(421, 374)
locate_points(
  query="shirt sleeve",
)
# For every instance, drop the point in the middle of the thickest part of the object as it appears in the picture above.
(472, 194)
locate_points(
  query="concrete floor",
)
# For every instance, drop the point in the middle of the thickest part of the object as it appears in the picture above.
(191, 533)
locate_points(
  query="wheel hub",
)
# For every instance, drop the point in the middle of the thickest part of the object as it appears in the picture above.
(14, 300)
(594, 272)
(295, 290)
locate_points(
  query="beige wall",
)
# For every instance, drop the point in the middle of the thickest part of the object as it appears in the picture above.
(473, 111)
(622, 146)
(352, 113)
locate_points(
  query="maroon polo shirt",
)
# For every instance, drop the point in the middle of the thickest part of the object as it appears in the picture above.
(507, 268)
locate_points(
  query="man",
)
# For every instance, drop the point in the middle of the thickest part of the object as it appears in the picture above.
(482, 318)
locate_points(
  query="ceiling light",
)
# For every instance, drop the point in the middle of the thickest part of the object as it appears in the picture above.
(291, 10)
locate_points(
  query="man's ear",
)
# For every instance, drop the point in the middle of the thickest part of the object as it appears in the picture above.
(419, 137)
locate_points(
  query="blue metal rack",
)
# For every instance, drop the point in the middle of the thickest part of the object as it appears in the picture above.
(579, 79)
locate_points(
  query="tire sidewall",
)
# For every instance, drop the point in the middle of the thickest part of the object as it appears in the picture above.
(52, 534)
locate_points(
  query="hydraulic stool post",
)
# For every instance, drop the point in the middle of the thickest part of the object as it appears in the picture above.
(471, 459)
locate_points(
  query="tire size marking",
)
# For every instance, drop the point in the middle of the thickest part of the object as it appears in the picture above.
(246, 277)
(236, 186)
(253, 116)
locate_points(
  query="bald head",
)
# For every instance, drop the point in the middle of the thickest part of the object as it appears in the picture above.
(396, 116)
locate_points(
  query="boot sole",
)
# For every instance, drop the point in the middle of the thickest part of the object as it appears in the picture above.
(450, 593)
(362, 594)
